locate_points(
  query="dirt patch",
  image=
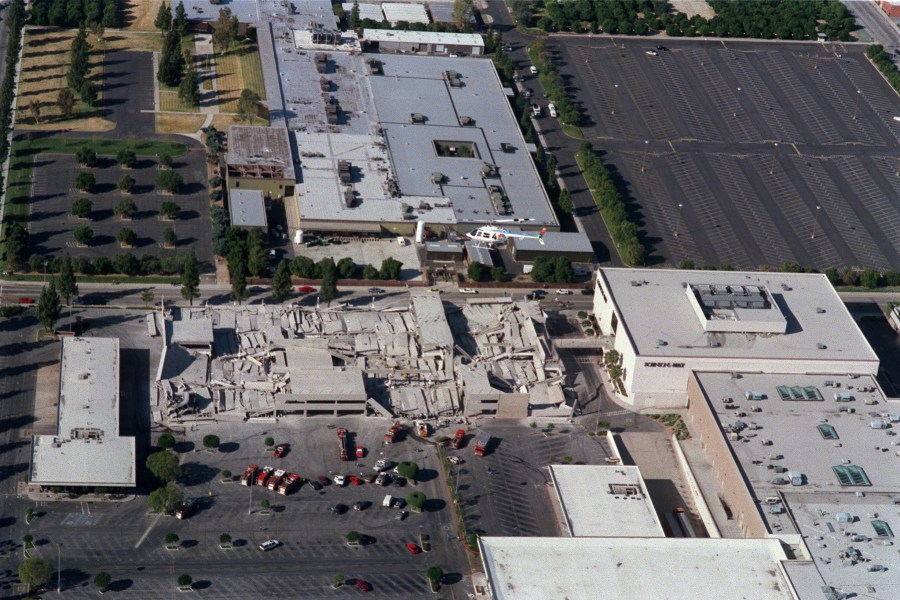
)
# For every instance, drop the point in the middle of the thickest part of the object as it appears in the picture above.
(693, 7)
(135, 41)
(221, 121)
(140, 14)
(98, 124)
(46, 399)
(169, 123)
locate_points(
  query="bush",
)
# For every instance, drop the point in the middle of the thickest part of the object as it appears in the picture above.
(370, 272)
(171, 538)
(224, 539)
(211, 441)
(86, 157)
(126, 157)
(390, 269)
(475, 272)
(83, 235)
(168, 209)
(416, 499)
(126, 184)
(102, 581)
(269, 442)
(169, 181)
(85, 181)
(168, 236)
(166, 441)
(185, 580)
(353, 537)
(226, 474)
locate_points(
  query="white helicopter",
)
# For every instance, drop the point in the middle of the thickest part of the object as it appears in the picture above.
(493, 234)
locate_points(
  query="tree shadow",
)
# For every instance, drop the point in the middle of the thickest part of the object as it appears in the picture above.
(194, 473)
(69, 578)
(229, 447)
(434, 505)
(189, 543)
(183, 447)
(202, 584)
(120, 585)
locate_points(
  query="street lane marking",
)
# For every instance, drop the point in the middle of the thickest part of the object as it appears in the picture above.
(147, 532)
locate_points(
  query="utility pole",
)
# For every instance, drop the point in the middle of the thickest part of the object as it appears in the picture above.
(774, 156)
(58, 567)
(678, 219)
(815, 222)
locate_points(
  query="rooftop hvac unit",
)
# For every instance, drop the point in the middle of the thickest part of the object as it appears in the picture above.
(751, 395)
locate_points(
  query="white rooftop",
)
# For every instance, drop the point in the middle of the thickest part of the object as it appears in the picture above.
(366, 11)
(87, 450)
(409, 12)
(605, 501)
(535, 568)
(246, 208)
(424, 37)
(658, 306)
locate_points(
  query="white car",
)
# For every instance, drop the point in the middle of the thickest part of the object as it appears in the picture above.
(551, 108)
(651, 52)
(533, 70)
(897, 118)
(468, 291)
(563, 292)
(339, 480)
(269, 545)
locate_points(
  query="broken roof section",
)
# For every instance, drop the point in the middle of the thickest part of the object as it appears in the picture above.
(431, 322)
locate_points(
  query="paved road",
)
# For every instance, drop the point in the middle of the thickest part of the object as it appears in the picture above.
(882, 28)
(557, 142)
(4, 40)
(128, 91)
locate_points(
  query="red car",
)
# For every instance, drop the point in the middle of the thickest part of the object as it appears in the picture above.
(281, 450)
(413, 549)
(355, 480)
(26, 300)
(306, 289)
(363, 586)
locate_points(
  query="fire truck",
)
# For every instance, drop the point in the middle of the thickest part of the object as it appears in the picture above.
(275, 479)
(458, 439)
(482, 445)
(249, 475)
(288, 484)
(342, 438)
(391, 436)
(263, 477)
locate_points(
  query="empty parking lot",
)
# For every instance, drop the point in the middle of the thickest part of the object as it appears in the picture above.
(747, 153)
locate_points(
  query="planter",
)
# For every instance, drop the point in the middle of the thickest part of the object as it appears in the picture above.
(226, 546)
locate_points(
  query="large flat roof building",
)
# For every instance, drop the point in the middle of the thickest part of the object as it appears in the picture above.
(424, 42)
(259, 158)
(666, 324)
(537, 568)
(87, 449)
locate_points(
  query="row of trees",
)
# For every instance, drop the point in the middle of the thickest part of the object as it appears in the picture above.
(765, 19)
(176, 66)
(77, 13)
(478, 272)
(623, 231)
(15, 234)
(168, 262)
(552, 82)
(884, 63)
(552, 270)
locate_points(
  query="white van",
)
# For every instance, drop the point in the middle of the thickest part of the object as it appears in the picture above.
(533, 70)
(388, 501)
(551, 108)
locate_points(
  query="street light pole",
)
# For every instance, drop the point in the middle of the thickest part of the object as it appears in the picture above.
(615, 98)
(58, 567)
(644, 161)
(815, 222)
(774, 156)
(856, 112)
(678, 219)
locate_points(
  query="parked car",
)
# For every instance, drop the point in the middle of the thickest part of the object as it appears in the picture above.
(468, 291)
(363, 586)
(26, 300)
(354, 480)
(339, 509)
(401, 515)
(324, 480)
(187, 508)
(374, 290)
(339, 480)
(383, 479)
(536, 109)
(533, 70)
(315, 484)
(551, 108)
(413, 549)
(361, 505)
(269, 545)
(563, 292)
(306, 289)
(281, 450)
(399, 481)
(651, 52)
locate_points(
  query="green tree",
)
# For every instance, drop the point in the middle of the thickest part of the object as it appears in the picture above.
(562, 270)
(257, 254)
(168, 237)
(66, 283)
(211, 441)
(49, 306)
(163, 20)
(171, 62)
(281, 282)
(86, 156)
(165, 160)
(269, 442)
(125, 208)
(498, 274)
(35, 572)
(126, 157)
(185, 580)
(83, 235)
(126, 236)
(870, 278)
(338, 580)
(171, 539)
(408, 469)
(180, 21)
(168, 209)
(169, 181)
(165, 499)
(463, 11)
(127, 264)
(147, 297)
(65, 100)
(225, 539)
(224, 30)
(189, 88)
(126, 186)
(435, 574)
(475, 272)
(542, 269)
(88, 92)
(416, 499)
(328, 286)
(354, 15)
(102, 581)
(370, 272)
(166, 441)
(265, 504)
(305, 267)
(390, 268)
(85, 181)
(79, 59)
(346, 268)
(238, 282)
(353, 538)
(190, 278)
(248, 105)
(164, 465)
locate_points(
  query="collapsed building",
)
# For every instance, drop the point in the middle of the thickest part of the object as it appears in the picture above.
(489, 357)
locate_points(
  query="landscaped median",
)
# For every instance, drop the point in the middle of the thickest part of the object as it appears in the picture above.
(24, 150)
(554, 88)
(623, 231)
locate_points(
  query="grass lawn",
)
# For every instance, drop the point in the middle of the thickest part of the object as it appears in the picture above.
(186, 123)
(237, 69)
(572, 131)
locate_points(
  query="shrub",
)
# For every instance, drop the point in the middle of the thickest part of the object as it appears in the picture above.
(168, 236)
(168, 209)
(169, 181)
(126, 157)
(269, 442)
(224, 539)
(416, 499)
(185, 580)
(85, 181)
(171, 538)
(211, 441)
(126, 208)
(126, 184)
(126, 237)
(83, 235)
(408, 469)
(82, 207)
(86, 157)
(226, 474)
(166, 441)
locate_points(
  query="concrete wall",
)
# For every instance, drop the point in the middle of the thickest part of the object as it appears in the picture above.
(272, 187)
(735, 488)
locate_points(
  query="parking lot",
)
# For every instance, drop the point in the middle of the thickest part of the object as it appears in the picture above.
(51, 224)
(746, 153)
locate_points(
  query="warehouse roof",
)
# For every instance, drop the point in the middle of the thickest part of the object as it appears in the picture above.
(366, 10)
(409, 12)
(260, 146)
(556, 241)
(536, 568)
(87, 449)
(246, 208)
(246, 11)
(670, 313)
(447, 38)
(606, 501)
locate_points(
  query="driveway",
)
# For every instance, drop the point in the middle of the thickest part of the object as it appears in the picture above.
(127, 92)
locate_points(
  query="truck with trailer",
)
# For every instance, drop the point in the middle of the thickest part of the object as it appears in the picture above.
(482, 446)
(288, 484)
(344, 441)
(458, 439)
(249, 474)
(263, 477)
(391, 436)
(275, 479)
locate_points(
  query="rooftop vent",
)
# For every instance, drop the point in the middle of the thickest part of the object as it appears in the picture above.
(821, 346)
(820, 310)
(467, 121)
(662, 342)
(417, 118)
